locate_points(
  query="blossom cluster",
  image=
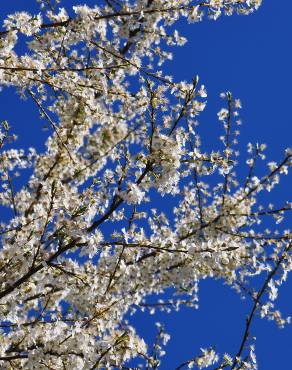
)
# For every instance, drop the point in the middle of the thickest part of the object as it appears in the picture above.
(88, 242)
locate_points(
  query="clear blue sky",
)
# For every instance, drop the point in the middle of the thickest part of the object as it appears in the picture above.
(250, 56)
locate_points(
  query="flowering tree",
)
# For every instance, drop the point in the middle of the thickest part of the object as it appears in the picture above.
(86, 244)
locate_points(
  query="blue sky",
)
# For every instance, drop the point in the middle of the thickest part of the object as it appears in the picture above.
(250, 56)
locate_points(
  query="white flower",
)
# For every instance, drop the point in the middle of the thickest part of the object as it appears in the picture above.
(134, 195)
(202, 92)
(82, 11)
(216, 3)
(195, 15)
(208, 358)
(237, 104)
(272, 166)
(222, 114)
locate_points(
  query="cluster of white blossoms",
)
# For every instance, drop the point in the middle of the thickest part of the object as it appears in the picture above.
(166, 155)
(133, 195)
(205, 360)
(88, 240)
(24, 23)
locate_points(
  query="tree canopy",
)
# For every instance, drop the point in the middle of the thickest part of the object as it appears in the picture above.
(89, 238)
